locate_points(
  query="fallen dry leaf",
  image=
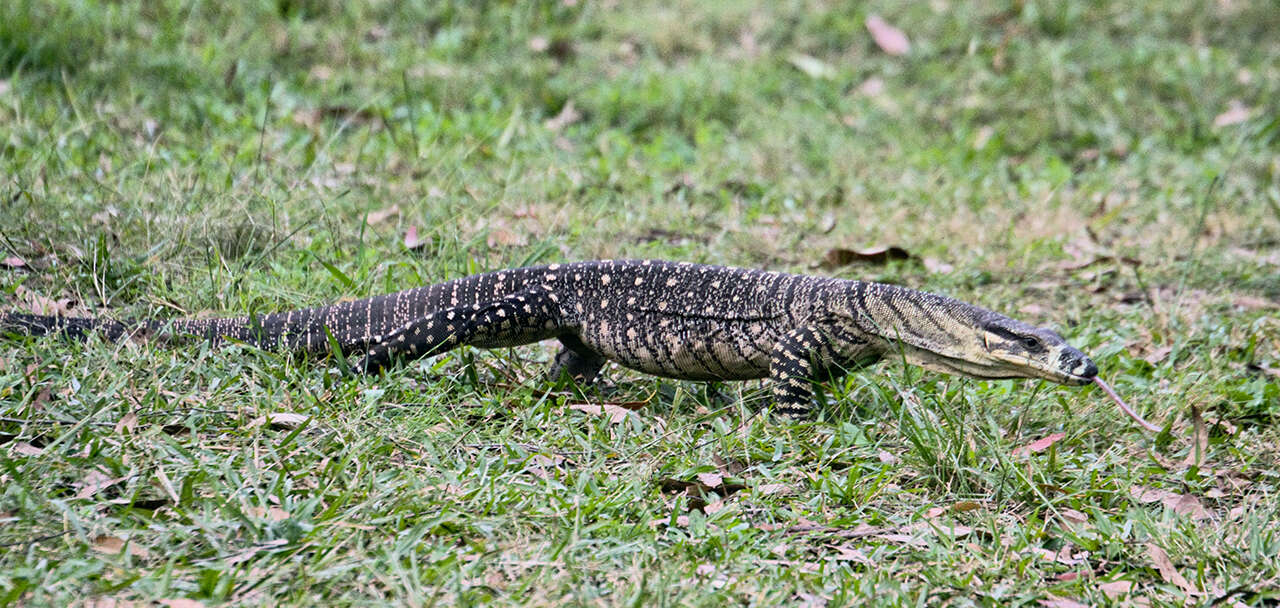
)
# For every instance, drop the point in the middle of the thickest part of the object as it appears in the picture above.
(13, 262)
(1039, 445)
(567, 116)
(1167, 571)
(39, 305)
(681, 521)
(812, 66)
(181, 602)
(96, 481)
(165, 484)
(889, 38)
(412, 241)
(1156, 356)
(838, 257)
(1115, 589)
(286, 420)
(1235, 114)
(711, 480)
(382, 215)
(1182, 504)
(871, 87)
(1199, 440)
(1254, 367)
(937, 266)
(845, 553)
(112, 545)
(615, 413)
(108, 602)
(1061, 602)
(1248, 302)
(769, 489)
(23, 448)
(1075, 516)
(886, 457)
(268, 513)
(128, 422)
(505, 238)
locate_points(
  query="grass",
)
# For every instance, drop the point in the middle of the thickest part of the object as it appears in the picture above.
(165, 159)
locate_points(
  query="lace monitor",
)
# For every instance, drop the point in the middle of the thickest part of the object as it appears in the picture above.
(679, 320)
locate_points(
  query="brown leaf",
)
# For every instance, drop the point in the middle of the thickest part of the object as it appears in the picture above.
(1182, 504)
(1235, 114)
(889, 38)
(567, 116)
(23, 448)
(615, 413)
(1156, 356)
(108, 602)
(414, 242)
(903, 539)
(181, 602)
(812, 66)
(871, 87)
(1039, 445)
(268, 513)
(1165, 566)
(112, 545)
(162, 479)
(382, 215)
(1248, 302)
(1115, 589)
(1075, 516)
(1061, 602)
(965, 506)
(846, 553)
(95, 481)
(769, 489)
(505, 238)
(711, 480)
(937, 266)
(838, 257)
(1254, 367)
(13, 262)
(40, 305)
(681, 521)
(286, 420)
(128, 422)
(1199, 440)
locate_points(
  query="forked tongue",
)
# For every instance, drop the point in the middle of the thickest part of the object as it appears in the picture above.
(1124, 406)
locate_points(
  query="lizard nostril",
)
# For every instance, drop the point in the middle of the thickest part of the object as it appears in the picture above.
(1090, 369)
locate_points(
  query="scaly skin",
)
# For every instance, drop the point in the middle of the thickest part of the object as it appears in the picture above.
(679, 320)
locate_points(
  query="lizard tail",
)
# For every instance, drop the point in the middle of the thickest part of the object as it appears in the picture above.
(77, 328)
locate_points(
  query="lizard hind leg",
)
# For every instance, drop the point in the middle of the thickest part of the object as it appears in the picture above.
(521, 318)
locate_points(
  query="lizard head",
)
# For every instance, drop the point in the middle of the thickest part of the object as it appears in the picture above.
(1028, 351)
(946, 335)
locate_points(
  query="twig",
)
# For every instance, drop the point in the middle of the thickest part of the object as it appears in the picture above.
(32, 541)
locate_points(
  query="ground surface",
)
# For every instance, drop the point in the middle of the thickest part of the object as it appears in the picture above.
(1111, 171)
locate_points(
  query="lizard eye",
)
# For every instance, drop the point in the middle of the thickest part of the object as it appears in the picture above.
(1031, 342)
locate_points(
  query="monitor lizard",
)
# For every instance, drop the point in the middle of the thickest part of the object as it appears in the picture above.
(674, 319)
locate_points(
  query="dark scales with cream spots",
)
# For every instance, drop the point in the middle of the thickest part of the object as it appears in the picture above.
(679, 320)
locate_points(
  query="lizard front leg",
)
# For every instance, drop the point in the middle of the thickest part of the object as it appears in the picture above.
(575, 361)
(805, 356)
